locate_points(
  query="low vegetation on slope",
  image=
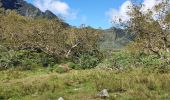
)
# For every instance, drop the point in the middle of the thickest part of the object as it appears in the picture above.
(84, 85)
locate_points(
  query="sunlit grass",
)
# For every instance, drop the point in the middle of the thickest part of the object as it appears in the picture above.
(85, 84)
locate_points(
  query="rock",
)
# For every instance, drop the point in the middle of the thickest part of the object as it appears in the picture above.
(104, 93)
(60, 98)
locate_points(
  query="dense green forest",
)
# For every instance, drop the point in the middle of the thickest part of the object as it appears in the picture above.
(43, 57)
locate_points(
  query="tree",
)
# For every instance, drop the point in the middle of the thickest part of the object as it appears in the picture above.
(49, 36)
(151, 28)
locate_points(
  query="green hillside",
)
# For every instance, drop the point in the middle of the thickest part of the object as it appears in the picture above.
(44, 58)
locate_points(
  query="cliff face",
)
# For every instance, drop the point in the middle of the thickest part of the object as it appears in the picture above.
(26, 9)
(9, 4)
(29, 10)
(115, 38)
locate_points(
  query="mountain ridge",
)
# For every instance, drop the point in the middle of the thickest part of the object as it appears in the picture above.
(26, 9)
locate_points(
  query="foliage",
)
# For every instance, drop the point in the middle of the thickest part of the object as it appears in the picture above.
(24, 59)
(74, 66)
(34, 42)
(7, 58)
(48, 36)
(124, 59)
(89, 60)
(151, 30)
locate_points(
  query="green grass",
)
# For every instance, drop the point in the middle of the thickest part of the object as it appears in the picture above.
(137, 84)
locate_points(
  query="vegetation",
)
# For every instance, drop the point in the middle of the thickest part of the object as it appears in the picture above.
(80, 85)
(50, 37)
(152, 31)
(44, 58)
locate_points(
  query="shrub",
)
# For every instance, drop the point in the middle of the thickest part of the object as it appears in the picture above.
(119, 60)
(6, 58)
(40, 59)
(87, 61)
(126, 60)
(73, 65)
(151, 61)
(24, 59)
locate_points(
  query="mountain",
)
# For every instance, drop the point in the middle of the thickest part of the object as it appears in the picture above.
(26, 9)
(115, 38)
(29, 10)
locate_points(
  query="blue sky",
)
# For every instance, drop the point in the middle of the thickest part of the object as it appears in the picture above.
(89, 12)
(95, 13)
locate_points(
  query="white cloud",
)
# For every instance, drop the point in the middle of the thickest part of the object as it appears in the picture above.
(57, 7)
(121, 13)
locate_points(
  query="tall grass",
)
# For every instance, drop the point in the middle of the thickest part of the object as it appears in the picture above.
(137, 84)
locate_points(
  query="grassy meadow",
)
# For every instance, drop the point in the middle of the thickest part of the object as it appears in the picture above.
(137, 84)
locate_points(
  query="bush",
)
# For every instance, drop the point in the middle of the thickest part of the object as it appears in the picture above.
(119, 60)
(151, 61)
(87, 61)
(73, 65)
(6, 58)
(24, 59)
(39, 59)
(126, 60)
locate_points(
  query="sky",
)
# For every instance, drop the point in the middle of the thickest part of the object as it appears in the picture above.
(94, 13)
